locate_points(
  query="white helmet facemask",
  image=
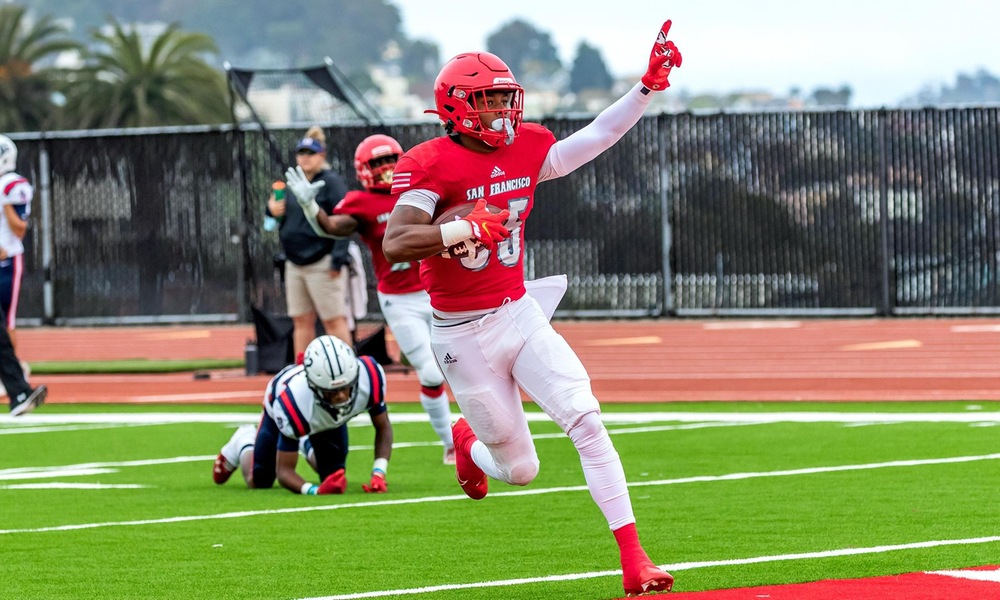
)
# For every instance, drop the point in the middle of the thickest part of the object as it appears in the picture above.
(8, 155)
(330, 365)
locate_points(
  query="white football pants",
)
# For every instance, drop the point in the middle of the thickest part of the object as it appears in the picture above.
(409, 317)
(487, 360)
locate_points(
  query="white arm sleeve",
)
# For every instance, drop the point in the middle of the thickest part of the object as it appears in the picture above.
(422, 199)
(568, 155)
(310, 213)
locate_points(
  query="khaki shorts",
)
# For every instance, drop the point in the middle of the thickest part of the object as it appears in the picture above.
(314, 288)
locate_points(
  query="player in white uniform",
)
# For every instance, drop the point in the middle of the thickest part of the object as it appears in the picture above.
(492, 335)
(314, 400)
(15, 207)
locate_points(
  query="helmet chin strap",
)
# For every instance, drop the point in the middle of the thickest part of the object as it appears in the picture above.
(505, 125)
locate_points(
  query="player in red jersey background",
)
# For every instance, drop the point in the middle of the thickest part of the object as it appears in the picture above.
(491, 333)
(405, 305)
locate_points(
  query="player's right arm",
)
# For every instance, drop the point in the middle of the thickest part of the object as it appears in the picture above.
(285, 471)
(410, 236)
(18, 226)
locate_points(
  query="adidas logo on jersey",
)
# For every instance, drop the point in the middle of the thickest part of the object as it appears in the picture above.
(497, 172)
(449, 359)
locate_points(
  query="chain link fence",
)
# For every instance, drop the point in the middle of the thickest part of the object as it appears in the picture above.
(850, 212)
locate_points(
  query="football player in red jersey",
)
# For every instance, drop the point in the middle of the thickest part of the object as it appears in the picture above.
(491, 335)
(405, 305)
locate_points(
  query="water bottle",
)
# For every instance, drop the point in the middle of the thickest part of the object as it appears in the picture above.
(271, 223)
(251, 358)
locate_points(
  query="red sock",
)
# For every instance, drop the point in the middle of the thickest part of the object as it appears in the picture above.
(432, 392)
(628, 544)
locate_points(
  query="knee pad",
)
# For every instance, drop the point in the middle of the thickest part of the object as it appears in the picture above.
(517, 459)
(524, 472)
(589, 435)
(428, 372)
(496, 420)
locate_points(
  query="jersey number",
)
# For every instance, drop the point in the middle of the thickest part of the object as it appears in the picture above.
(508, 252)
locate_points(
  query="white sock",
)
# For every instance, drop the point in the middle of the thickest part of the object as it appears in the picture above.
(482, 457)
(243, 438)
(440, 414)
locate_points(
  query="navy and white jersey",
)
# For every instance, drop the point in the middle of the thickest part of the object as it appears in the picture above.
(295, 409)
(16, 191)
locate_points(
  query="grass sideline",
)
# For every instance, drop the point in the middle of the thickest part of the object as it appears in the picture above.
(110, 509)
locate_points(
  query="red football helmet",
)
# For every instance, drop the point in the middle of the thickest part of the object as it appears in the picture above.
(460, 96)
(374, 149)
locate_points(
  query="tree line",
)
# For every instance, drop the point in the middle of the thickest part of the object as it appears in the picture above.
(123, 74)
(117, 81)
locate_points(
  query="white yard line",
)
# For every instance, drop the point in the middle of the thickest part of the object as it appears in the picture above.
(237, 418)
(525, 492)
(993, 575)
(100, 468)
(58, 485)
(673, 568)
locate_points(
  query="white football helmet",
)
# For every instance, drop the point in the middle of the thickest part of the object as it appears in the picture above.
(8, 155)
(330, 365)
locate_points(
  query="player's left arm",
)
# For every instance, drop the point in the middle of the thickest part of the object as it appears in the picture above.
(335, 225)
(383, 452)
(18, 226)
(567, 155)
(383, 435)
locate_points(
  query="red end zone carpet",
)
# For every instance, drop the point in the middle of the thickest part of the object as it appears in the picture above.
(979, 583)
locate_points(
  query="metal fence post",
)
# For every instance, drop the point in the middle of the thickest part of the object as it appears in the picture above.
(886, 307)
(662, 157)
(45, 196)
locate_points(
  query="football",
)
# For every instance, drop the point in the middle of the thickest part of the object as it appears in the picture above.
(468, 248)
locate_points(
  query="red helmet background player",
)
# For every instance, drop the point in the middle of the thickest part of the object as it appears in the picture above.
(374, 160)
(403, 301)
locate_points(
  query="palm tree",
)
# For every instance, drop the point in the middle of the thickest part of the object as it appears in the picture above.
(126, 83)
(26, 89)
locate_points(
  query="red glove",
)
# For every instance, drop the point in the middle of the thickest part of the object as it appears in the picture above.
(376, 485)
(662, 58)
(488, 227)
(336, 483)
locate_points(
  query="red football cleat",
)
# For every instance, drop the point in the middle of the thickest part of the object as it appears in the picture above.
(643, 577)
(221, 470)
(472, 479)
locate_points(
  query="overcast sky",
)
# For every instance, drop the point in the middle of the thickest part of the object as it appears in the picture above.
(884, 49)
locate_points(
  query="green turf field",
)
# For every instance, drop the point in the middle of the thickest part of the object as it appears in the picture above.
(118, 502)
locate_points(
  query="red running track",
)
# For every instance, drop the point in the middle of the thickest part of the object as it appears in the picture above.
(629, 361)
